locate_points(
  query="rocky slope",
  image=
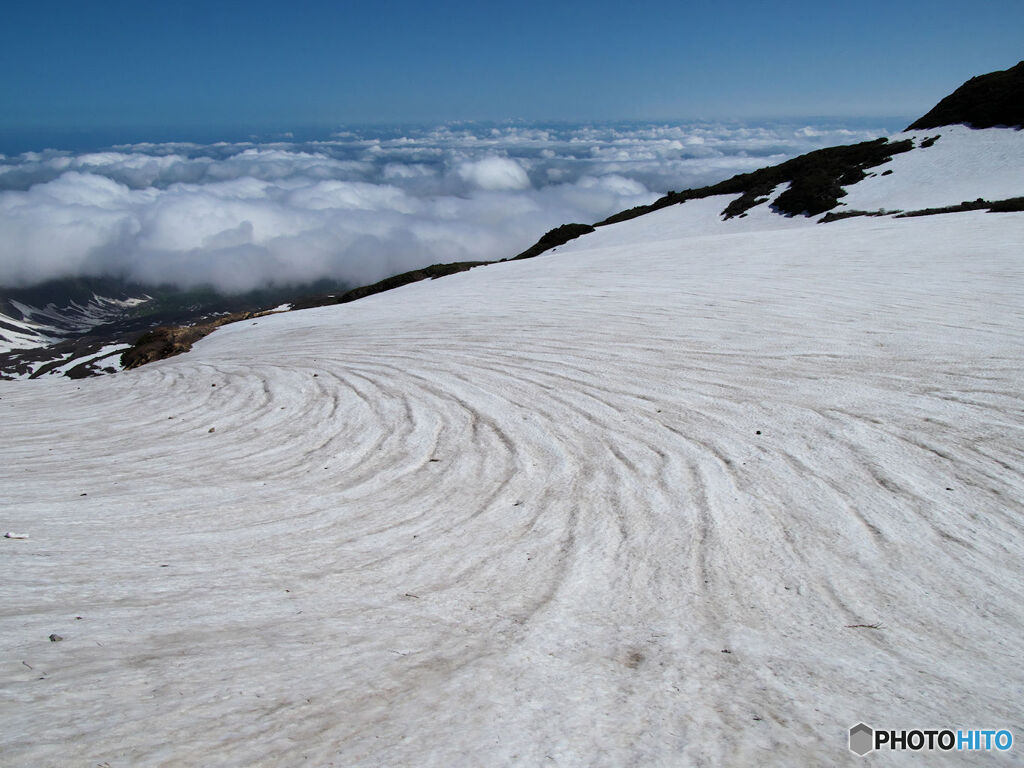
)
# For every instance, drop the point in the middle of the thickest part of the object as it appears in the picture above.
(986, 101)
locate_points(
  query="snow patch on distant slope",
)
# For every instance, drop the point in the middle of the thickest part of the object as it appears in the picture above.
(21, 334)
(964, 164)
(107, 358)
(43, 326)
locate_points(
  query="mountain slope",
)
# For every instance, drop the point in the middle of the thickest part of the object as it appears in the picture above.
(808, 185)
(73, 327)
(879, 173)
(46, 314)
(683, 490)
(518, 515)
(986, 101)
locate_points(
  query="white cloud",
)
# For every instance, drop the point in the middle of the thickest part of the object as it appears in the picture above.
(356, 207)
(494, 173)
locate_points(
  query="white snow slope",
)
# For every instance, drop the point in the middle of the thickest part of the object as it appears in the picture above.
(517, 516)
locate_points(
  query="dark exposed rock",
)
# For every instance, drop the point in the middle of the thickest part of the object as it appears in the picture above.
(985, 101)
(164, 342)
(850, 214)
(158, 344)
(816, 181)
(968, 205)
(554, 238)
(432, 272)
(395, 281)
(1010, 205)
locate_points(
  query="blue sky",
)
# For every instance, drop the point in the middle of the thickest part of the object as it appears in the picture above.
(76, 65)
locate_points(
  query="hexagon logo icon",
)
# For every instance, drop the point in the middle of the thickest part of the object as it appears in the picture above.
(862, 739)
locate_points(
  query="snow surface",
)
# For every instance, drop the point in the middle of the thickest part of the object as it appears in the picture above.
(99, 359)
(517, 515)
(24, 334)
(964, 164)
(108, 356)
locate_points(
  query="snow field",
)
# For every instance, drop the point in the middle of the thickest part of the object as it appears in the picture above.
(517, 515)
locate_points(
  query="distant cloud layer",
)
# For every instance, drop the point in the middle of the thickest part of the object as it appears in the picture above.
(355, 207)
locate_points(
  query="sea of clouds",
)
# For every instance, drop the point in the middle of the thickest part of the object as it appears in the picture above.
(357, 206)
